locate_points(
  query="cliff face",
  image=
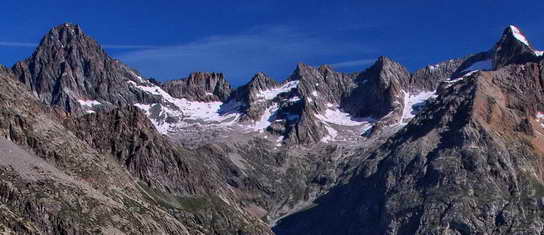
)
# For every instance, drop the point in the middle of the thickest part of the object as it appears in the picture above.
(200, 87)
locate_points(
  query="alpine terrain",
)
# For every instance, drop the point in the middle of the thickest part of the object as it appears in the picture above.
(89, 145)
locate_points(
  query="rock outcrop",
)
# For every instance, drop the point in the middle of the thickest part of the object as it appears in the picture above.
(70, 70)
(200, 86)
(513, 48)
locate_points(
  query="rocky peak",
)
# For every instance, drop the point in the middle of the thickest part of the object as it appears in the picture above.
(513, 48)
(261, 82)
(252, 96)
(200, 86)
(380, 89)
(71, 70)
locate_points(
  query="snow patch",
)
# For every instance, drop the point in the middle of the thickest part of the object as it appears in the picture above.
(455, 80)
(294, 99)
(89, 103)
(540, 118)
(272, 93)
(266, 118)
(433, 67)
(315, 94)
(518, 35)
(412, 104)
(215, 112)
(335, 116)
(279, 141)
(331, 136)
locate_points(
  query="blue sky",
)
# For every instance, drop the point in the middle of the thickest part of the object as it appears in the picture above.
(169, 39)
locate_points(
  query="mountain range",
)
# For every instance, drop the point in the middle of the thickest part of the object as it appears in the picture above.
(90, 145)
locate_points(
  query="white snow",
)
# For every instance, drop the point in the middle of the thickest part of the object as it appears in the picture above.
(540, 118)
(412, 101)
(335, 116)
(294, 99)
(266, 118)
(433, 67)
(136, 75)
(207, 111)
(279, 141)
(314, 93)
(539, 53)
(272, 93)
(518, 35)
(454, 80)
(189, 110)
(332, 133)
(366, 128)
(89, 103)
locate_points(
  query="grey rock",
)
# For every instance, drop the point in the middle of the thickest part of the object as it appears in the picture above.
(200, 86)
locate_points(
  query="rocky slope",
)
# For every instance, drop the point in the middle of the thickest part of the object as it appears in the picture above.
(109, 172)
(470, 163)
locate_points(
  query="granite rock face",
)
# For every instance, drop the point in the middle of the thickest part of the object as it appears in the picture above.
(380, 91)
(513, 48)
(200, 86)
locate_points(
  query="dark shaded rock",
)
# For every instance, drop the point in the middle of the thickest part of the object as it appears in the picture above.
(200, 86)
(69, 66)
(250, 96)
(380, 91)
(513, 48)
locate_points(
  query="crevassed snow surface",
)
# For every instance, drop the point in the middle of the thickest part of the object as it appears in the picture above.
(518, 35)
(272, 93)
(335, 116)
(89, 103)
(412, 102)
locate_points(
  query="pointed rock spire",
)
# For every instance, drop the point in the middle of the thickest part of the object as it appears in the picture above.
(69, 69)
(513, 48)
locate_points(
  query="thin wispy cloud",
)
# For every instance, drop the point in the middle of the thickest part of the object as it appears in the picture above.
(17, 44)
(107, 46)
(353, 63)
(274, 50)
(110, 46)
